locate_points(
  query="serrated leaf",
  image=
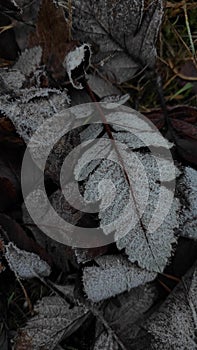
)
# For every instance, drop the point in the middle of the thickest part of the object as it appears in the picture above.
(25, 264)
(32, 107)
(114, 275)
(125, 314)
(55, 319)
(188, 217)
(173, 326)
(13, 79)
(129, 311)
(121, 204)
(124, 33)
(29, 60)
(105, 342)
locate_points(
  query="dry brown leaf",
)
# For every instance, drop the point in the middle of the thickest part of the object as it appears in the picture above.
(53, 35)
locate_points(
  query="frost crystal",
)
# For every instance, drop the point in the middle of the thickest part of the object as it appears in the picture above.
(25, 264)
(129, 186)
(123, 31)
(76, 59)
(29, 60)
(173, 326)
(32, 107)
(52, 322)
(188, 215)
(114, 275)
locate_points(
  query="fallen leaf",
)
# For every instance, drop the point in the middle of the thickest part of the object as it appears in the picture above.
(106, 342)
(8, 135)
(183, 129)
(55, 319)
(12, 231)
(10, 167)
(76, 62)
(84, 255)
(24, 264)
(189, 69)
(53, 35)
(188, 215)
(122, 34)
(113, 275)
(116, 213)
(29, 60)
(173, 326)
(125, 314)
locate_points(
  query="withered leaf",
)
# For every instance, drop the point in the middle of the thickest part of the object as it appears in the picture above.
(53, 35)
(122, 34)
(114, 275)
(10, 166)
(8, 133)
(55, 319)
(188, 215)
(25, 264)
(10, 230)
(183, 128)
(105, 342)
(10, 8)
(116, 208)
(125, 314)
(173, 326)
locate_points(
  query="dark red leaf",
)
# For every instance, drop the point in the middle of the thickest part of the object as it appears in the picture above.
(8, 133)
(189, 69)
(183, 125)
(10, 171)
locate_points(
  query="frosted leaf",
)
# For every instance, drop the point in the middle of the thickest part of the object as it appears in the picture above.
(29, 60)
(188, 215)
(105, 342)
(173, 326)
(55, 249)
(114, 101)
(91, 133)
(126, 316)
(123, 31)
(12, 78)
(151, 252)
(83, 111)
(102, 87)
(45, 218)
(114, 275)
(76, 59)
(32, 107)
(131, 177)
(133, 124)
(118, 213)
(91, 159)
(55, 318)
(25, 264)
(67, 290)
